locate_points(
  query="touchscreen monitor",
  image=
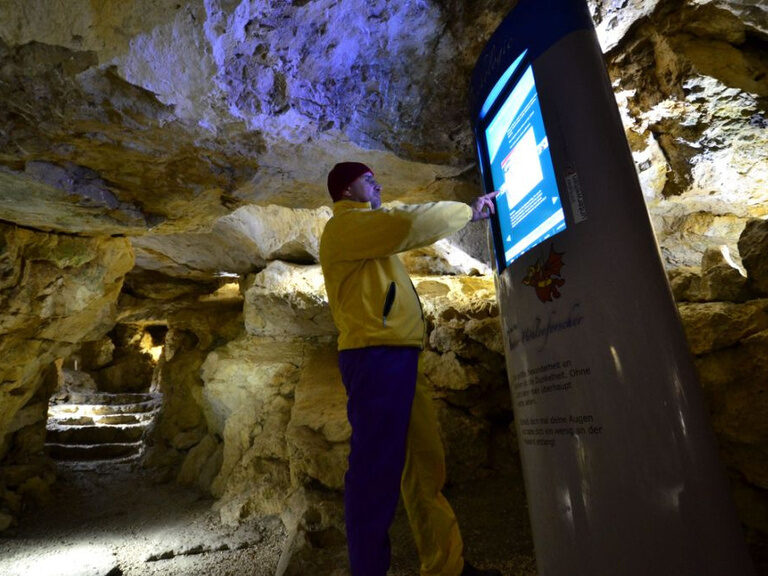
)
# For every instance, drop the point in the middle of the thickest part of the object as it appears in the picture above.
(518, 163)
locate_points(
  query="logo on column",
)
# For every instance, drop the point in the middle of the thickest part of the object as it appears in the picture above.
(545, 278)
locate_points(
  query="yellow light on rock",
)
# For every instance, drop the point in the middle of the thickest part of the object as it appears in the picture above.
(156, 352)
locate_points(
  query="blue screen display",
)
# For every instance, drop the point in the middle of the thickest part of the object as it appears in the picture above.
(528, 205)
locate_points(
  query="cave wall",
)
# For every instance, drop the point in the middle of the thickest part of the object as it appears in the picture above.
(727, 329)
(55, 292)
(275, 407)
(692, 82)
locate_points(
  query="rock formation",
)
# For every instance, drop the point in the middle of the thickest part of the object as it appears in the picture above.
(162, 167)
(56, 292)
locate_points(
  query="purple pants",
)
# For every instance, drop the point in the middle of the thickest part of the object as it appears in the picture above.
(380, 383)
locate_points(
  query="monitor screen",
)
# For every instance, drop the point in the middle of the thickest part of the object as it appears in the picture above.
(529, 209)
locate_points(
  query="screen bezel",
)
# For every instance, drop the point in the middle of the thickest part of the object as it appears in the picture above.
(485, 161)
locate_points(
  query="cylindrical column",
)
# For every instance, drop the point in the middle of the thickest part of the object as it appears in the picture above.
(620, 462)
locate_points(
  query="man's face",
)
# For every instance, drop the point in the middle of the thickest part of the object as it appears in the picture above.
(365, 189)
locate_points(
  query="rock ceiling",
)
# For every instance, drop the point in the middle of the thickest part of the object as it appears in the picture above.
(203, 129)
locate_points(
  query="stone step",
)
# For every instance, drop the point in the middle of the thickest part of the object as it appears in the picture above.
(110, 399)
(69, 421)
(144, 418)
(95, 426)
(93, 452)
(61, 411)
(109, 419)
(95, 434)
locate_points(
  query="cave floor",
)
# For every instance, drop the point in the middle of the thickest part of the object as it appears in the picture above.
(110, 519)
(113, 519)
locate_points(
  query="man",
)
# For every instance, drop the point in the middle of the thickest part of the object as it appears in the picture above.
(395, 444)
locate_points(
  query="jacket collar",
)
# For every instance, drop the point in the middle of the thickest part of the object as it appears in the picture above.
(346, 205)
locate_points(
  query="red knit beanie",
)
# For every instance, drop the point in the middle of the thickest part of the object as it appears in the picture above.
(342, 175)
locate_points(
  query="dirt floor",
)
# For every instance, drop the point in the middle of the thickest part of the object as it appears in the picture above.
(112, 520)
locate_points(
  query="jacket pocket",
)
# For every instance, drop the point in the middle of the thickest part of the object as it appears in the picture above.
(389, 300)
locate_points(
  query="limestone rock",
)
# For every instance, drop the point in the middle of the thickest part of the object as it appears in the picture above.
(225, 96)
(55, 291)
(277, 233)
(316, 539)
(238, 243)
(445, 371)
(649, 158)
(61, 181)
(447, 297)
(713, 326)
(251, 119)
(155, 311)
(48, 289)
(443, 258)
(721, 279)
(467, 442)
(286, 300)
(403, 180)
(695, 90)
(34, 413)
(129, 374)
(97, 353)
(210, 322)
(734, 380)
(141, 283)
(247, 67)
(318, 433)
(201, 464)
(317, 550)
(72, 383)
(612, 21)
(753, 246)
(193, 332)
(131, 364)
(487, 332)
(188, 438)
(685, 283)
(179, 382)
(257, 486)
(249, 408)
(686, 230)
(30, 202)
(263, 73)
(462, 316)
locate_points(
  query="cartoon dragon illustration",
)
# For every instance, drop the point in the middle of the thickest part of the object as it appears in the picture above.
(542, 278)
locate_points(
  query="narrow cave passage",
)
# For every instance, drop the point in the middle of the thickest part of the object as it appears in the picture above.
(108, 513)
(100, 426)
(105, 403)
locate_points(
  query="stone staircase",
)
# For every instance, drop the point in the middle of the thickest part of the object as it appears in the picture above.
(94, 426)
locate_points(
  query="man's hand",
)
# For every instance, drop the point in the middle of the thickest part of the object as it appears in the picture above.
(480, 204)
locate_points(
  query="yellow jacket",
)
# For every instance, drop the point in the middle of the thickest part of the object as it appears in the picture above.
(372, 299)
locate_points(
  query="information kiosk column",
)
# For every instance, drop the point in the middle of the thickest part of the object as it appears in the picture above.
(620, 464)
